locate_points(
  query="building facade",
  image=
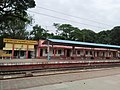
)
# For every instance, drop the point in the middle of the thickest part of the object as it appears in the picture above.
(20, 48)
(60, 51)
(37, 49)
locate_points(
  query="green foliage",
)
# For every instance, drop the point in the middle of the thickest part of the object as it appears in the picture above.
(68, 32)
(14, 29)
(15, 9)
(115, 35)
(73, 33)
(58, 37)
(76, 35)
(88, 35)
(104, 37)
(39, 33)
(14, 19)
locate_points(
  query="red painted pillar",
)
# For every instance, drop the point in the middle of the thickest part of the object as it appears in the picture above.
(27, 52)
(101, 54)
(84, 51)
(13, 51)
(92, 53)
(65, 53)
(73, 52)
(106, 54)
(38, 52)
(111, 55)
(54, 52)
(39, 47)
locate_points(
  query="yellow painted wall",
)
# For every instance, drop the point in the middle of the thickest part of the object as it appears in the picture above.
(8, 46)
(31, 46)
(20, 46)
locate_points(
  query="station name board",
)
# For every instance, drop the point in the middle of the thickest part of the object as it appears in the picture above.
(17, 41)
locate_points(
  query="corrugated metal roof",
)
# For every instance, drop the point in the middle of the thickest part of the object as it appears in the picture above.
(76, 43)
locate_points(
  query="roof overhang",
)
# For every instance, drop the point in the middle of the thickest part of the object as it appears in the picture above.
(79, 44)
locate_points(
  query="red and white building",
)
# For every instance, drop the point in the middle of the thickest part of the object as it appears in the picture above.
(68, 52)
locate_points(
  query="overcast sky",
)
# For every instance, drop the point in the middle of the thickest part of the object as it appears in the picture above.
(96, 15)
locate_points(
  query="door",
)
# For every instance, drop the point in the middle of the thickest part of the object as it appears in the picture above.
(68, 52)
(41, 52)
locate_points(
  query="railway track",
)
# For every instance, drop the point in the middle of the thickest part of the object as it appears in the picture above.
(19, 73)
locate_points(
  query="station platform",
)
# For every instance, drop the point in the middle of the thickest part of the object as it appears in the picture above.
(9, 62)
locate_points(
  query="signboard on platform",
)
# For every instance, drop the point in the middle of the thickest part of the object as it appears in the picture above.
(17, 41)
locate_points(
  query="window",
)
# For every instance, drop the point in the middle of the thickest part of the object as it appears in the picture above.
(86, 52)
(90, 52)
(78, 52)
(53, 51)
(109, 53)
(59, 51)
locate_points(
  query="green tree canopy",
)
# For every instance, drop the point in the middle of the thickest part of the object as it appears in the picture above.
(15, 9)
(88, 35)
(39, 33)
(68, 32)
(115, 35)
(103, 37)
(14, 18)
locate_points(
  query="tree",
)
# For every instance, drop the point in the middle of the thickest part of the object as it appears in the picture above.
(88, 35)
(76, 35)
(115, 35)
(103, 37)
(14, 9)
(39, 33)
(67, 31)
(15, 29)
(14, 18)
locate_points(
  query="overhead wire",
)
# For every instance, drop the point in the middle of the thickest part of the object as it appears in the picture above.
(64, 19)
(72, 15)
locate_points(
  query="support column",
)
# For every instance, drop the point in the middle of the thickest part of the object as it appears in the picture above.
(27, 52)
(65, 53)
(84, 53)
(93, 53)
(13, 51)
(54, 52)
(98, 54)
(48, 49)
(38, 52)
(73, 52)
(38, 48)
(106, 54)
(111, 55)
(101, 55)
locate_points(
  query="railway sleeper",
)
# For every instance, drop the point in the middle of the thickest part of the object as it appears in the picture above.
(28, 74)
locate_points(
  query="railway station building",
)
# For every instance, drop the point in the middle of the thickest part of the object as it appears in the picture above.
(78, 50)
(20, 48)
(59, 49)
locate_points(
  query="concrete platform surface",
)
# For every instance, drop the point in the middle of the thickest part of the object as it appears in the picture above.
(34, 61)
(101, 83)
